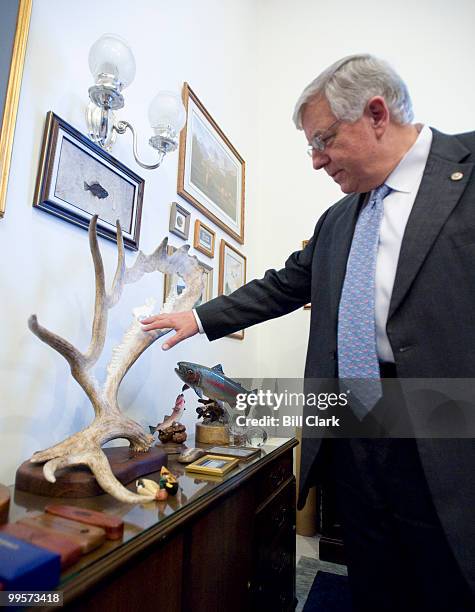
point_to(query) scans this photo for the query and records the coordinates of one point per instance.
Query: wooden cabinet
(220, 546)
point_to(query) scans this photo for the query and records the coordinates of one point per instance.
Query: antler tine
(74, 357)
(119, 278)
(99, 324)
(146, 263)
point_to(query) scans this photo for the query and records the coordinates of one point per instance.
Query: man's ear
(378, 112)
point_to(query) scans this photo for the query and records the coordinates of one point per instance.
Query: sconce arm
(121, 128)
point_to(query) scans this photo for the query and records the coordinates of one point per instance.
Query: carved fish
(96, 189)
(210, 382)
(174, 417)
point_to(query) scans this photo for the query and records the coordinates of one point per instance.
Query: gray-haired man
(390, 274)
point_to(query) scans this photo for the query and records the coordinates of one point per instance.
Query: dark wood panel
(273, 582)
(152, 582)
(219, 555)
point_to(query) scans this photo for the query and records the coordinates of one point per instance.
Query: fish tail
(86, 186)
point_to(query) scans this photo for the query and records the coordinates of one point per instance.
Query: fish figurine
(175, 416)
(96, 189)
(211, 382)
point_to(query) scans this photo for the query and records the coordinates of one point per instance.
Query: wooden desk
(218, 546)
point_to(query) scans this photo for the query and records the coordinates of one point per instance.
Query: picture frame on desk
(77, 180)
(211, 173)
(212, 465)
(243, 453)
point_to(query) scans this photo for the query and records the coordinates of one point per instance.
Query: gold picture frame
(307, 306)
(232, 274)
(9, 111)
(199, 243)
(211, 173)
(212, 465)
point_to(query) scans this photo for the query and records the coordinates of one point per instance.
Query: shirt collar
(407, 175)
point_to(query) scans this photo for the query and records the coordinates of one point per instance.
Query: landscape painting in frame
(232, 274)
(77, 180)
(211, 173)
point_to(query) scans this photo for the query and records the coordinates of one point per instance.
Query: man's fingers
(156, 322)
(172, 341)
(183, 323)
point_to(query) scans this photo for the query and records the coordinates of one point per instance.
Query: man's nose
(319, 159)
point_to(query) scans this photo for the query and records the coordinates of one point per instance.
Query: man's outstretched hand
(184, 323)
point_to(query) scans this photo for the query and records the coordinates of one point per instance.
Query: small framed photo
(307, 306)
(77, 180)
(179, 221)
(204, 239)
(174, 283)
(212, 465)
(232, 274)
(243, 453)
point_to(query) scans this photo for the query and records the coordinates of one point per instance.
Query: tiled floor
(307, 547)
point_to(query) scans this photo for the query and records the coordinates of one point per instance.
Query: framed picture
(214, 465)
(243, 453)
(77, 179)
(14, 26)
(204, 239)
(211, 173)
(179, 221)
(232, 274)
(173, 282)
(307, 306)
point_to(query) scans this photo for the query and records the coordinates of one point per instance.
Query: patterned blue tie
(357, 356)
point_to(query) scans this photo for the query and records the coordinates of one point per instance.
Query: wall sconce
(112, 65)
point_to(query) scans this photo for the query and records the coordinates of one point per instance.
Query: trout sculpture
(84, 447)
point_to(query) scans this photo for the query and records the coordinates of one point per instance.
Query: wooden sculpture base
(4, 503)
(212, 434)
(79, 481)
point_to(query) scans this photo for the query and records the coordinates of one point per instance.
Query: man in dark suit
(391, 277)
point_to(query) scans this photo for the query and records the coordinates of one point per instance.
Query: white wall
(429, 42)
(47, 267)
(248, 61)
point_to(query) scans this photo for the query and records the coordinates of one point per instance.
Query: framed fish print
(211, 173)
(14, 26)
(232, 274)
(77, 179)
(204, 239)
(173, 282)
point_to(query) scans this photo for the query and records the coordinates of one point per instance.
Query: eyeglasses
(319, 142)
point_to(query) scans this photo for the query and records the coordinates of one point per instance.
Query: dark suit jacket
(431, 322)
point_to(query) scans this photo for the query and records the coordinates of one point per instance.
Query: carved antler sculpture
(84, 447)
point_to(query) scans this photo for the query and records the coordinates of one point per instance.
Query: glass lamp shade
(166, 111)
(111, 55)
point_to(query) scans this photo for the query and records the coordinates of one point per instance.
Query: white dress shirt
(404, 181)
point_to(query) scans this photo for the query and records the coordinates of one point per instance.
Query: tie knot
(381, 192)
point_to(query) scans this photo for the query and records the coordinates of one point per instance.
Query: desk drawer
(273, 476)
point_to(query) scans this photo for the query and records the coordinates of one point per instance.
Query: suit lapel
(437, 197)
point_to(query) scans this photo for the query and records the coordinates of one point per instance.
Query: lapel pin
(456, 176)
